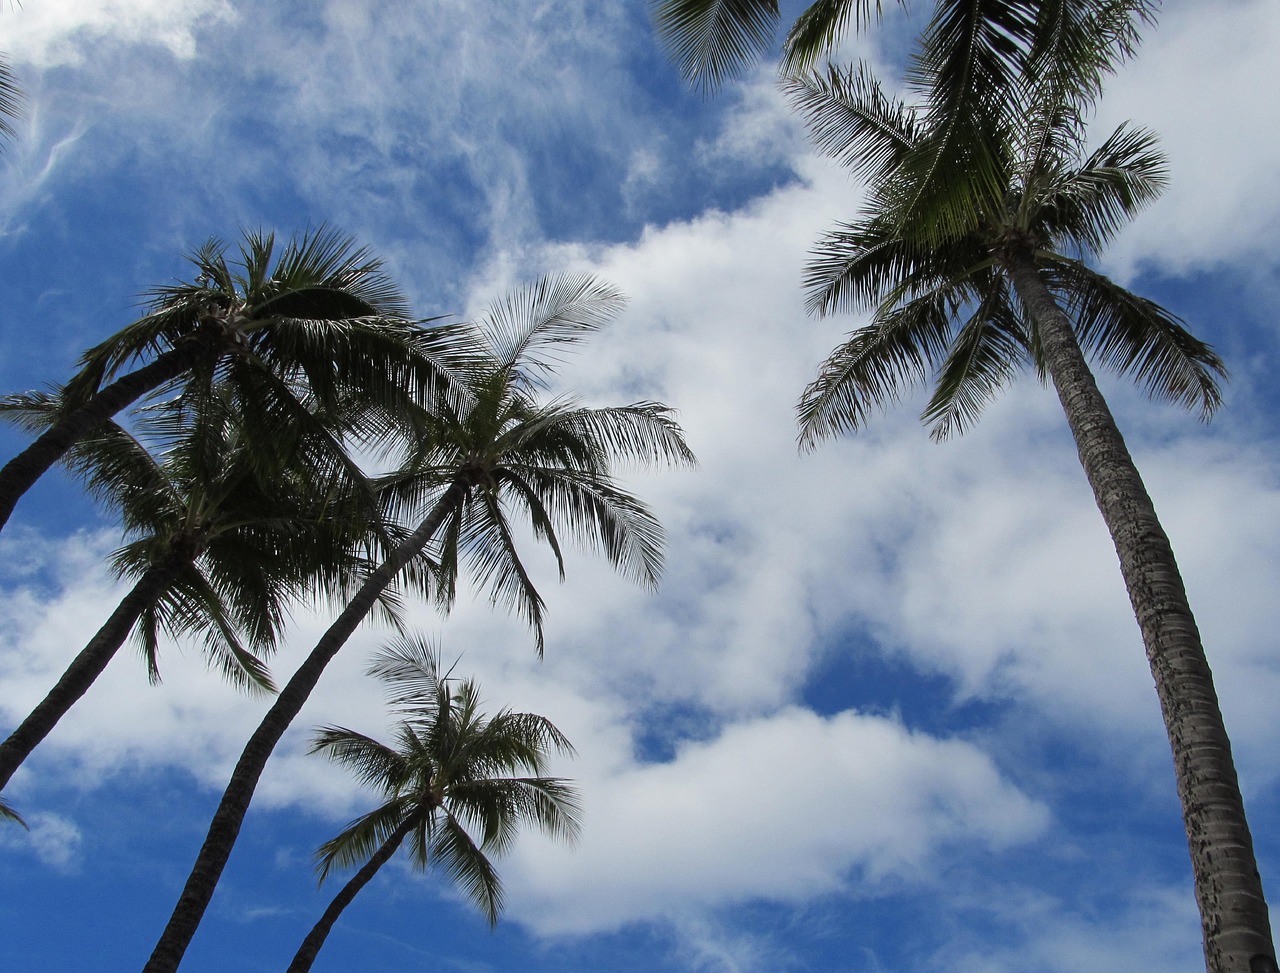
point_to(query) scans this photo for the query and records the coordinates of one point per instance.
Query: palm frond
(1092, 202)
(850, 119)
(984, 355)
(1133, 336)
(818, 30)
(713, 40)
(11, 100)
(529, 331)
(875, 367)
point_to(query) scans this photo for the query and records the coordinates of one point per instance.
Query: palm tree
(452, 769)
(496, 448)
(320, 319)
(222, 540)
(999, 282)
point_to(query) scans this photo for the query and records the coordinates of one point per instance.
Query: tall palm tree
(223, 539)
(452, 770)
(494, 449)
(1000, 282)
(318, 319)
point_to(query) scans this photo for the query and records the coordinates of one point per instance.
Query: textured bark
(310, 947)
(84, 669)
(21, 472)
(1233, 912)
(225, 826)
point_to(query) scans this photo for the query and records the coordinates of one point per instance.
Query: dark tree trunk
(1233, 912)
(225, 826)
(21, 472)
(85, 668)
(310, 947)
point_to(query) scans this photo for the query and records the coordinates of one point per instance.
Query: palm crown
(457, 786)
(290, 333)
(499, 448)
(943, 306)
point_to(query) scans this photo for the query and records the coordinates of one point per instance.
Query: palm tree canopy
(465, 782)
(249, 534)
(942, 309)
(552, 461)
(318, 313)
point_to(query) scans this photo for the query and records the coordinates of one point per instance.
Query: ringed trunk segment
(227, 819)
(310, 947)
(1233, 911)
(21, 472)
(84, 669)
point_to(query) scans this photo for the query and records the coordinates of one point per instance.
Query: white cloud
(46, 33)
(780, 808)
(53, 839)
(1204, 81)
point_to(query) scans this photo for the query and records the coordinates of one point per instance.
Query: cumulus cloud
(780, 808)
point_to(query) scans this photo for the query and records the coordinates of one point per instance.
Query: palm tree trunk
(21, 472)
(310, 947)
(225, 826)
(1233, 911)
(85, 668)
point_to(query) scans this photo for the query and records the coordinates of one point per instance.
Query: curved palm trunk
(225, 826)
(21, 472)
(310, 947)
(1233, 912)
(84, 669)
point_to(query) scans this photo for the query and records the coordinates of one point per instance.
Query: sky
(888, 711)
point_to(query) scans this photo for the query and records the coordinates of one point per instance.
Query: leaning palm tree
(317, 318)
(492, 449)
(451, 771)
(999, 283)
(222, 539)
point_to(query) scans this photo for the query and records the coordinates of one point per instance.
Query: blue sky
(889, 711)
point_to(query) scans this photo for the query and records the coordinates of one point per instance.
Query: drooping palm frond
(852, 120)
(1133, 336)
(819, 29)
(712, 40)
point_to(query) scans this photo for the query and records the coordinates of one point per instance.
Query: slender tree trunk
(85, 668)
(310, 947)
(21, 472)
(1233, 912)
(225, 826)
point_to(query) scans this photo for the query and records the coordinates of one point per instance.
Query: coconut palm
(318, 319)
(220, 544)
(451, 771)
(494, 449)
(966, 304)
